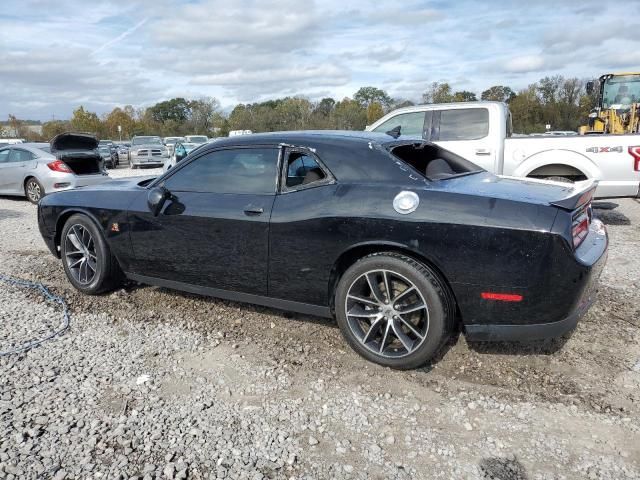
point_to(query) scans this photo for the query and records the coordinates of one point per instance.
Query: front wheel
(86, 257)
(394, 310)
(33, 190)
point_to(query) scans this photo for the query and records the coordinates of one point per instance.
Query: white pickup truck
(482, 132)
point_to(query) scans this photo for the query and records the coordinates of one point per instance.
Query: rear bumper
(592, 256)
(57, 182)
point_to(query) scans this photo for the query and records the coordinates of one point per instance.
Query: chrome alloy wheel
(34, 192)
(80, 253)
(387, 313)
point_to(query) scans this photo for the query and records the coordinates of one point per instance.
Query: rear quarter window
(463, 124)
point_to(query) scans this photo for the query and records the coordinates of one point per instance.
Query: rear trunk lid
(78, 151)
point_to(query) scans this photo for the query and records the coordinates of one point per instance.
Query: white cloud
(525, 63)
(113, 52)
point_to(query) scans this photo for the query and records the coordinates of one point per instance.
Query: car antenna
(395, 132)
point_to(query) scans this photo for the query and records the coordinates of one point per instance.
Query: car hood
(528, 190)
(73, 141)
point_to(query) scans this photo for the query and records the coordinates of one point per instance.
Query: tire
(33, 190)
(559, 179)
(431, 325)
(105, 274)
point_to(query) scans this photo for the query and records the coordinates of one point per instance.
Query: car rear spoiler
(581, 194)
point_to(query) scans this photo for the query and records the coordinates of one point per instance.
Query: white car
(34, 169)
(482, 133)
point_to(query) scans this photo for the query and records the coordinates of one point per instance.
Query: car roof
(306, 136)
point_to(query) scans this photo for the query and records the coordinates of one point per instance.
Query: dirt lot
(150, 383)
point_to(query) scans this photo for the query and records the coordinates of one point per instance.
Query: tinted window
(464, 124)
(410, 124)
(19, 155)
(246, 170)
(303, 169)
(4, 155)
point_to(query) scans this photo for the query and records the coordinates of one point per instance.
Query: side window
(4, 155)
(303, 169)
(241, 170)
(19, 155)
(410, 124)
(464, 124)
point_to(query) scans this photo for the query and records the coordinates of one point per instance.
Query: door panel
(302, 247)
(214, 230)
(13, 170)
(204, 239)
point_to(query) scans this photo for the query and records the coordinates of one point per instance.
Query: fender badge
(115, 227)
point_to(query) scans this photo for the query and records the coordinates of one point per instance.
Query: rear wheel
(86, 257)
(394, 310)
(33, 190)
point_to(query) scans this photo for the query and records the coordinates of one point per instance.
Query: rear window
(464, 124)
(433, 162)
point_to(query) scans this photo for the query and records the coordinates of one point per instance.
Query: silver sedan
(30, 170)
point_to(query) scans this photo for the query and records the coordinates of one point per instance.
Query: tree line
(560, 102)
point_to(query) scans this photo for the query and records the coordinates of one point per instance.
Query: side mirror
(180, 155)
(156, 198)
(589, 87)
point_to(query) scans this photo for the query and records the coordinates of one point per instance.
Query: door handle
(252, 210)
(482, 151)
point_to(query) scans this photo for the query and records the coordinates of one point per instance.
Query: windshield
(146, 141)
(172, 139)
(197, 139)
(621, 91)
(104, 149)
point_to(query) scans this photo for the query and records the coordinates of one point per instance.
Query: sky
(55, 56)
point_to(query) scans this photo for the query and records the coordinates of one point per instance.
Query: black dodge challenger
(402, 241)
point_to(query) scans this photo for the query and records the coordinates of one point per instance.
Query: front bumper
(592, 256)
(148, 161)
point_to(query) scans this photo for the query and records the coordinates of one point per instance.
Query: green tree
(349, 115)
(374, 112)
(365, 96)
(55, 127)
(464, 96)
(438, 93)
(498, 93)
(177, 109)
(85, 121)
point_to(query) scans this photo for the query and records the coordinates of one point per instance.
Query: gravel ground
(150, 383)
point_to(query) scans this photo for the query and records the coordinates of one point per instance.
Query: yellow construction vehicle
(618, 108)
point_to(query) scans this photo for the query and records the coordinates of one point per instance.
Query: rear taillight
(635, 153)
(59, 166)
(580, 225)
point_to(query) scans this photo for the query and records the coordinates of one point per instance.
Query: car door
(465, 131)
(14, 169)
(213, 232)
(4, 169)
(302, 227)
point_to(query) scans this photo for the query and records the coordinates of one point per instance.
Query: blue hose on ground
(49, 297)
